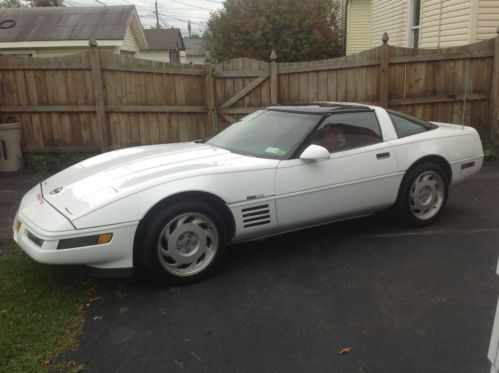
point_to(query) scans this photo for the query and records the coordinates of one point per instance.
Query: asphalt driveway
(404, 300)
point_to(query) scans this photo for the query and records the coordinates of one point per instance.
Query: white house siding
(50, 52)
(487, 19)
(197, 60)
(130, 42)
(456, 23)
(431, 18)
(389, 16)
(358, 26)
(162, 56)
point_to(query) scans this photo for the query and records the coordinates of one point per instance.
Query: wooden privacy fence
(99, 100)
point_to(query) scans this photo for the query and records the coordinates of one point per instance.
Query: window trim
(307, 140)
(411, 27)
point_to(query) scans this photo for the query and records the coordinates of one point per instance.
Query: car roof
(322, 107)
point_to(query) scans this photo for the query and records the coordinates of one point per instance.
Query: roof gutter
(57, 44)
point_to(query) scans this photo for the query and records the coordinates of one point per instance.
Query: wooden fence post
(210, 95)
(384, 77)
(100, 108)
(274, 98)
(494, 95)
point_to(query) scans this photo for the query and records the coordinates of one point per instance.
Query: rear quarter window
(405, 125)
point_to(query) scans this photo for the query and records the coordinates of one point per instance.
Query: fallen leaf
(98, 318)
(93, 299)
(46, 362)
(71, 364)
(345, 350)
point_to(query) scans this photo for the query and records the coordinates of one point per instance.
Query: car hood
(112, 175)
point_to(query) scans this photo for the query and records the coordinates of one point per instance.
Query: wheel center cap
(187, 242)
(425, 195)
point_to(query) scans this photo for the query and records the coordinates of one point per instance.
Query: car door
(359, 178)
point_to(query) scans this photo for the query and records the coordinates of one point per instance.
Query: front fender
(231, 187)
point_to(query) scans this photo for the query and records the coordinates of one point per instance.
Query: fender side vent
(256, 215)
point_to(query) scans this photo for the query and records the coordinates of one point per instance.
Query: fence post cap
(273, 55)
(92, 42)
(385, 38)
(207, 56)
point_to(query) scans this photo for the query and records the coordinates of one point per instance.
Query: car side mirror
(314, 153)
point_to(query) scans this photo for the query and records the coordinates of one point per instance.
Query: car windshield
(266, 134)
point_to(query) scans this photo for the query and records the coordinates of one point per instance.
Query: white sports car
(171, 209)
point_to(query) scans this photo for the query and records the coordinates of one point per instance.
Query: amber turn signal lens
(104, 238)
(18, 225)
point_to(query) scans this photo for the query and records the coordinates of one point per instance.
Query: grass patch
(47, 162)
(489, 151)
(39, 312)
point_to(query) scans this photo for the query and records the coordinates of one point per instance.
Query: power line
(194, 6)
(182, 20)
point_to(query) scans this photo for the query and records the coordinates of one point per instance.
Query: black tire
(177, 222)
(415, 213)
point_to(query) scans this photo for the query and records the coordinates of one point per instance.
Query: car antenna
(464, 100)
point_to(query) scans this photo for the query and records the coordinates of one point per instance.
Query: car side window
(406, 125)
(344, 131)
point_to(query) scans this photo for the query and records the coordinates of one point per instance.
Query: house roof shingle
(66, 23)
(194, 47)
(169, 38)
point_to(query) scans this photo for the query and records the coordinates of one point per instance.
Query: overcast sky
(174, 13)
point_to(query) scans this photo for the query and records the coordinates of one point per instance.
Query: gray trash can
(11, 156)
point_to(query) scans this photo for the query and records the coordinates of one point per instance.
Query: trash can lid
(10, 126)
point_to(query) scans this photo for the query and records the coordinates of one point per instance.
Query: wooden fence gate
(99, 100)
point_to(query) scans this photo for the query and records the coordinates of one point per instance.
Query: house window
(414, 23)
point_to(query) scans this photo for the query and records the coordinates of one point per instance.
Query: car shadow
(282, 251)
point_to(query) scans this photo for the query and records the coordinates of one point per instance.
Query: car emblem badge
(56, 190)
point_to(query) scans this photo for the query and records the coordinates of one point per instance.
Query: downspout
(440, 23)
(345, 16)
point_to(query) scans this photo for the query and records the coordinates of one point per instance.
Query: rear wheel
(183, 243)
(423, 194)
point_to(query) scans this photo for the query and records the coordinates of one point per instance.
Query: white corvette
(171, 209)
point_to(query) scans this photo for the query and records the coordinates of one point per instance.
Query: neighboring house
(58, 31)
(164, 45)
(194, 51)
(419, 23)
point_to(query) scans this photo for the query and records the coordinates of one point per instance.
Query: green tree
(47, 3)
(10, 4)
(298, 30)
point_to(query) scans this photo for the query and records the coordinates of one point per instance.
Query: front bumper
(41, 245)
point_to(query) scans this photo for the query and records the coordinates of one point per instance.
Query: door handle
(383, 155)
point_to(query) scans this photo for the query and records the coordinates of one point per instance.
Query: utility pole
(157, 16)
(189, 28)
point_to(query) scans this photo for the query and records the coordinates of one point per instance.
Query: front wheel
(183, 243)
(423, 194)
